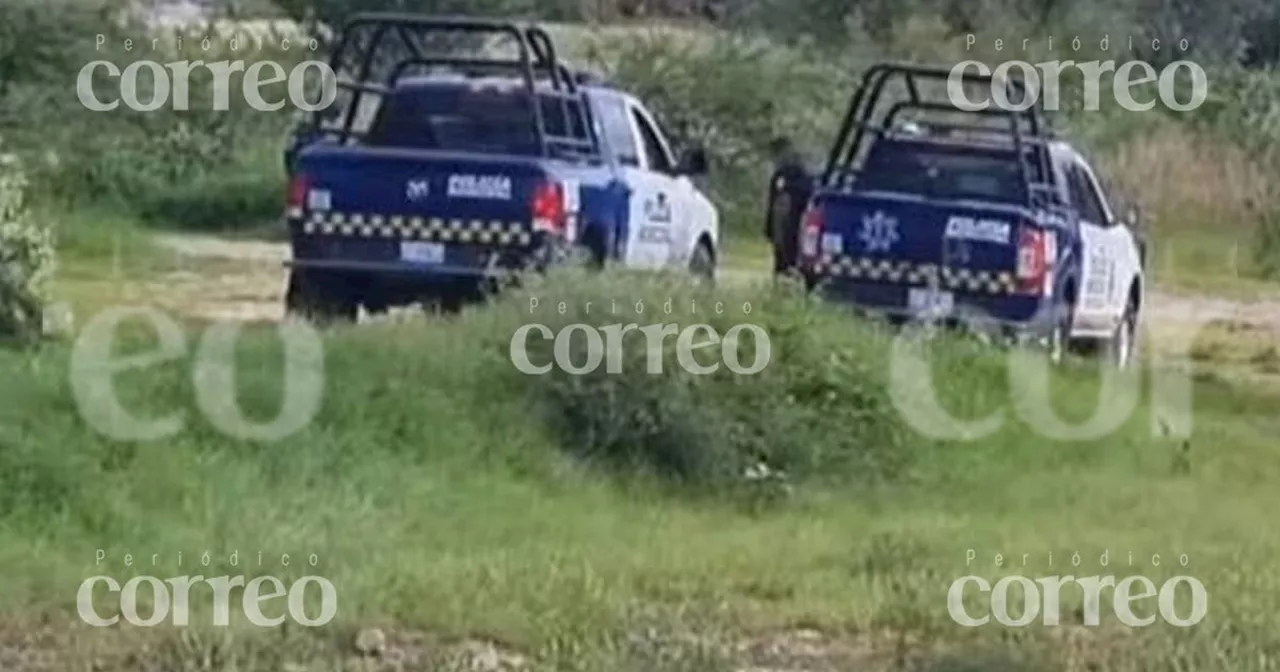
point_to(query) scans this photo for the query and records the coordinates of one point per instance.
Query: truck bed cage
(536, 65)
(1026, 132)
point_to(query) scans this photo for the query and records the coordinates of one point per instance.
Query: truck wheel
(702, 264)
(444, 303)
(1121, 349)
(592, 251)
(320, 298)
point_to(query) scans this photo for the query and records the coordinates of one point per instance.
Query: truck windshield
(946, 173)
(466, 118)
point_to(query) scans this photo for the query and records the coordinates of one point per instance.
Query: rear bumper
(1010, 314)
(405, 270)
(461, 261)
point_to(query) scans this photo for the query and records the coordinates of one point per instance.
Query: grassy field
(448, 499)
(482, 519)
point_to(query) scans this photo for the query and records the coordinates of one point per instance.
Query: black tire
(592, 251)
(445, 304)
(1122, 348)
(702, 263)
(319, 297)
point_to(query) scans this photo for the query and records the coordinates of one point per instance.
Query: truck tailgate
(422, 209)
(888, 243)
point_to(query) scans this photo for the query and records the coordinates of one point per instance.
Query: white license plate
(930, 302)
(422, 253)
(319, 199)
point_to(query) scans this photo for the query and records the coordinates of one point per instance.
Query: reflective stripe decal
(418, 228)
(962, 279)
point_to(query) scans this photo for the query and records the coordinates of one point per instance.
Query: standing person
(789, 189)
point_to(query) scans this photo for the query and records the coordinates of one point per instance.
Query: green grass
(744, 253)
(437, 494)
(99, 250)
(1198, 258)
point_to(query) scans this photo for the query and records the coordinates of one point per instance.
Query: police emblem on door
(658, 209)
(879, 232)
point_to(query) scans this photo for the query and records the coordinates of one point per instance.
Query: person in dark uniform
(789, 187)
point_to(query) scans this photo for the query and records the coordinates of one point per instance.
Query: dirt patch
(210, 279)
(49, 645)
(230, 279)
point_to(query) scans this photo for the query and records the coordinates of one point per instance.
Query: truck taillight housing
(549, 213)
(1036, 251)
(811, 231)
(296, 195)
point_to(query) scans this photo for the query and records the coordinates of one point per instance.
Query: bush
(165, 164)
(818, 409)
(26, 259)
(335, 12)
(222, 200)
(1266, 251)
(731, 94)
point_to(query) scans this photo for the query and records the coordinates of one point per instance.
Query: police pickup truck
(431, 186)
(989, 223)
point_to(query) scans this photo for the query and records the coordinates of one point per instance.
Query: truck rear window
(942, 173)
(469, 119)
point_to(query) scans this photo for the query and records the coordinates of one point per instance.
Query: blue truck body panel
(369, 209)
(875, 268)
(451, 164)
(928, 209)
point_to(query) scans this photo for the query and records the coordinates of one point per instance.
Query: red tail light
(549, 208)
(296, 195)
(811, 231)
(1035, 257)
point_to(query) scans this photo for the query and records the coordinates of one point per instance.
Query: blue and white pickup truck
(994, 225)
(433, 186)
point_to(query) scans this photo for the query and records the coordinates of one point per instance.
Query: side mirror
(1133, 217)
(694, 163)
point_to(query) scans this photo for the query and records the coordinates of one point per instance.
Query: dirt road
(245, 280)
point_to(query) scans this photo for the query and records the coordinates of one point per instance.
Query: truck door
(1097, 276)
(645, 227)
(666, 217)
(1121, 253)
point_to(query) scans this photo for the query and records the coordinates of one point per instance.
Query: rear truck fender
(705, 239)
(1135, 295)
(704, 224)
(1069, 297)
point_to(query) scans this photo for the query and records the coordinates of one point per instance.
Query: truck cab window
(659, 159)
(617, 130)
(1085, 198)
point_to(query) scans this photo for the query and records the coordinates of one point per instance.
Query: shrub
(26, 259)
(335, 12)
(222, 200)
(167, 163)
(819, 408)
(731, 94)
(1266, 249)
